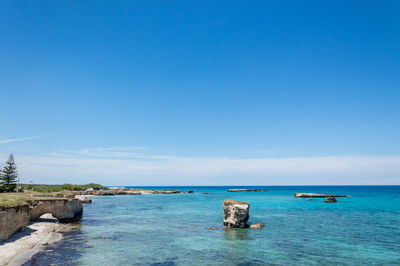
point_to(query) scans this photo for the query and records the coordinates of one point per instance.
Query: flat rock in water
(243, 190)
(314, 195)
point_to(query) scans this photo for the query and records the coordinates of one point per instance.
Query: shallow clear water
(172, 229)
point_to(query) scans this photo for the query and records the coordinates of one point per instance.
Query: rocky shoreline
(129, 192)
(67, 207)
(21, 246)
(16, 218)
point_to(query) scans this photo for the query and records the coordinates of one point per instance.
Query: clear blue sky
(240, 80)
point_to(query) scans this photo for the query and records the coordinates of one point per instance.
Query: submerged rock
(84, 199)
(236, 213)
(190, 191)
(330, 200)
(257, 226)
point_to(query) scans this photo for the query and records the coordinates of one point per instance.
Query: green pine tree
(9, 175)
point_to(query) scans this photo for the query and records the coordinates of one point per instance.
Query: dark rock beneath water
(236, 213)
(190, 191)
(330, 200)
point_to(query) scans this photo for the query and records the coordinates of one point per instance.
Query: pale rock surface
(83, 198)
(13, 219)
(22, 245)
(236, 213)
(65, 210)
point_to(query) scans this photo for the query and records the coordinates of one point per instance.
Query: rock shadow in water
(233, 234)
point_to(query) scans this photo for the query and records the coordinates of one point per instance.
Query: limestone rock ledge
(65, 210)
(13, 219)
(236, 213)
(314, 195)
(84, 199)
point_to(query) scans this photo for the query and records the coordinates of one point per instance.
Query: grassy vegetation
(59, 188)
(82, 187)
(42, 188)
(13, 199)
(19, 199)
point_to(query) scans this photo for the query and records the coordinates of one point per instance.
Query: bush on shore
(58, 188)
(82, 187)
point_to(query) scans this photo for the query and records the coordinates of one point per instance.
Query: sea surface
(173, 229)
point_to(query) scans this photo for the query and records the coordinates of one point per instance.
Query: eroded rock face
(236, 213)
(13, 219)
(83, 198)
(65, 210)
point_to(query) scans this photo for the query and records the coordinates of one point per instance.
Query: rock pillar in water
(236, 213)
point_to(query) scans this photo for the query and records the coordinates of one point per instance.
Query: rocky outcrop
(313, 195)
(190, 191)
(13, 219)
(65, 210)
(236, 213)
(330, 200)
(84, 199)
(243, 190)
(129, 192)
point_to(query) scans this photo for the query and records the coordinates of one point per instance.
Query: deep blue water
(172, 229)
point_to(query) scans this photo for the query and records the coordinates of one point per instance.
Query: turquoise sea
(173, 229)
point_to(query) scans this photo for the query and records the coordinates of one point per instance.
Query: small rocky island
(236, 213)
(314, 195)
(110, 192)
(243, 190)
(330, 200)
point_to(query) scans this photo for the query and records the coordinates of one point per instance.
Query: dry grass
(13, 199)
(19, 199)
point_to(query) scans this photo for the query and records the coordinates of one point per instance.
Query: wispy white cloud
(160, 169)
(21, 139)
(137, 152)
